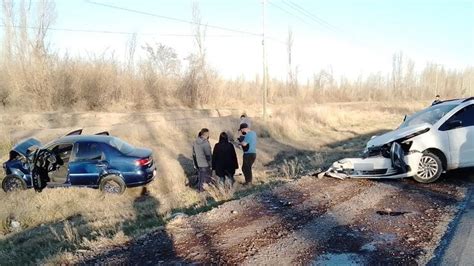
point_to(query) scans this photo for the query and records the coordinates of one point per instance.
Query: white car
(427, 143)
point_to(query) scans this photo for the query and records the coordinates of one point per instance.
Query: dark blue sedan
(97, 161)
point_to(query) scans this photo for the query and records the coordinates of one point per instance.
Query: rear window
(121, 145)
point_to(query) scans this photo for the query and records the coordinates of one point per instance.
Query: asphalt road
(459, 249)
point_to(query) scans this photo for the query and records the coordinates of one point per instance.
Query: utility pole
(264, 57)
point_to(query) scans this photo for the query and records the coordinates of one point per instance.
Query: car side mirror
(454, 124)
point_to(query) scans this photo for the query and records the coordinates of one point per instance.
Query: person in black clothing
(224, 159)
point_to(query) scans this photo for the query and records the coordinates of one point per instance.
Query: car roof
(455, 101)
(82, 138)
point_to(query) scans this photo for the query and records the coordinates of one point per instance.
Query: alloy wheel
(13, 184)
(427, 168)
(112, 187)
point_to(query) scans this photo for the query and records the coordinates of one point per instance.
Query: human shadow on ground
(189, 170)
(159, 245)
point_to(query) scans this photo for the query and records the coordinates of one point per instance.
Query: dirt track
(322, 221)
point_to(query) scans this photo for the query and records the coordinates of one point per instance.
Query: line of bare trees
(34, 76)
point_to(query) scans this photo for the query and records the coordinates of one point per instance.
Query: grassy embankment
(58, 222)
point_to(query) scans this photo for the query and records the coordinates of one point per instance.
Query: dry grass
(294, 139)
(220, 191)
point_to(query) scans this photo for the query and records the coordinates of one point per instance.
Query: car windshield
(121, 145)
(430, 115)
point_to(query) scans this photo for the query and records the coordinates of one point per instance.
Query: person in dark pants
(202, 157)
(224, 159)
(248, 141)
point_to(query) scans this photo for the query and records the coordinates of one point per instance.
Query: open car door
(75, 132)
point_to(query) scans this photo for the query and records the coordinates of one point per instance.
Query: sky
(352, 38)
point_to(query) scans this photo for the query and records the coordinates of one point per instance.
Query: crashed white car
(427, 143)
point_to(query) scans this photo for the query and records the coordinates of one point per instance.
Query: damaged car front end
(392, 155)
(426, 144)
(392, 160)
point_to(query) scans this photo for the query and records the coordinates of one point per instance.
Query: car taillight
(143, 162)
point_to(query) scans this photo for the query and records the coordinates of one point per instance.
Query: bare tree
(164, 59)
(397, 70)
(196, 86)
(45, 17)
(131, 48)
(159, 71)
(8, 20)
(409, 81)
(291, 74)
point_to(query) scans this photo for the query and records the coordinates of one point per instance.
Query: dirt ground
(322, 221)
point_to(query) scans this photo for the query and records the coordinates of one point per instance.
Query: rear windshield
(121, 145)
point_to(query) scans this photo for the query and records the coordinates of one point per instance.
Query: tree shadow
(37, 244)
(292, 217)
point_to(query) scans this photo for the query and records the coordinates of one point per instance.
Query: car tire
(12, 183)
(113, 184)
(430, 168)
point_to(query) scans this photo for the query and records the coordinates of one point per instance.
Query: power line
(325, 24)
(289, 13)
(182, 20)
(171, 18)
(299, 10)
(310, 15)
(116, 32)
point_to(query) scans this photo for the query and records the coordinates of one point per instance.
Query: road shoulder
(459, 247)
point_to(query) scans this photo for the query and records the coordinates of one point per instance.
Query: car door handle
(101, 165)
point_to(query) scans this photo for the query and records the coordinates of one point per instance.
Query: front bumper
(374, 167)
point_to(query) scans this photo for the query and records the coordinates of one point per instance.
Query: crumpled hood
(23, 146)
(396, 134)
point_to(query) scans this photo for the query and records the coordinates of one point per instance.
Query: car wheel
(429, 168)
(13, 183)
(112, 184)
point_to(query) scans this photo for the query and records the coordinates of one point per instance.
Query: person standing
(249, 145)
(202, 157)
(436, 100)
(224, 159)
(244, 119)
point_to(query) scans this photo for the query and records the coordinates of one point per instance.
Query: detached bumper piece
(396, 165)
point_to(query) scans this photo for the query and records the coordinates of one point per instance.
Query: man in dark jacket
(202, 157)
(224, 159)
